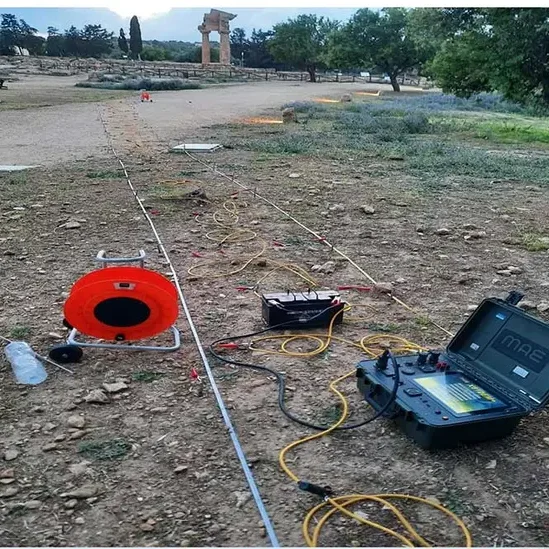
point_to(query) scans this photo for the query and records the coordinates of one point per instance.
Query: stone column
(206, 54)
(224, 48)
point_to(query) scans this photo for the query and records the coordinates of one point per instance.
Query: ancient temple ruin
(217, 21)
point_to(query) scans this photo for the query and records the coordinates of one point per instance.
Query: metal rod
(221, 404)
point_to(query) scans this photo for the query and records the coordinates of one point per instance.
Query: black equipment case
(493, 372)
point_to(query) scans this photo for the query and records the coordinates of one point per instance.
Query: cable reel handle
(102, 258)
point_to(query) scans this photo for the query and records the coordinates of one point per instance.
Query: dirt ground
(153, 465)
(65, 129)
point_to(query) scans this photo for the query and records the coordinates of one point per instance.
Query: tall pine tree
(136, 44)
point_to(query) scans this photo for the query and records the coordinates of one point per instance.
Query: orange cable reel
(122, 304)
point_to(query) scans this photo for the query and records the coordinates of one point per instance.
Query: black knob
(421, 359)
(383, 361)
(433, 357)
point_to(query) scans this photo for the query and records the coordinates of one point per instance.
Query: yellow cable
(371, 345)
(368, 344)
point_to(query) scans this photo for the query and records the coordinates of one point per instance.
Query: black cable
(282, 382)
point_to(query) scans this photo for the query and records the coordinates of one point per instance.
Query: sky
(175, 24)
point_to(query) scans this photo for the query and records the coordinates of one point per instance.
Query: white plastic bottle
(27, 368)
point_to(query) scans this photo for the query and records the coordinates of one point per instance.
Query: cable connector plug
(383, 360)
(322, 491)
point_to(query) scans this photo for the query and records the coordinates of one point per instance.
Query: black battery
(307, 309)
(494, 372)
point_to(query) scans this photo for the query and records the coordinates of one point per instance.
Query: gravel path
(48, 135)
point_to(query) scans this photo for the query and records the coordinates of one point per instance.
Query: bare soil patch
(170, 476)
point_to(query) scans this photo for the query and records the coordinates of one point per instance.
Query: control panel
(435, 391)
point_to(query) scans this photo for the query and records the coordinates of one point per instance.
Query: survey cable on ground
(221, 404)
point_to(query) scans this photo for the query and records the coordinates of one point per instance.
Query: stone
(471, 308)
(526, 305)
(78, 434)
(77, 422)
(477, 234)
(514, 270)
(328, 267)
(33, 504)
(337, 208)
(97, 396)
(367, 209)
(504, 272)
(72, 225)
(83, 492)
(180, 469)
(71, 504)
(49, 447)
(9, 492)
(400, 280)
(55, 335)
(242, 498)
(492, 464)
(115, 387)
(288, 115)
(10, 455)
(148, 526)
(159, 410)
(294, 176)
(384, 287)
(443, 231)
(7, 473)
(78, 469)
(543, 307)
(346, 98)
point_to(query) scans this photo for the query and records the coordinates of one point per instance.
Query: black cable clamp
(324, 492)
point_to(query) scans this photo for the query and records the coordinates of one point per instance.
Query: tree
(73, 42)
(378, 41)
(301, 42)
(123, 42)
(239, 44)
(136, 44)
(91, 41)
(259, 55)
(10, 34)
(18, 35)
(487, 49)
(55, 43)
(96, 41)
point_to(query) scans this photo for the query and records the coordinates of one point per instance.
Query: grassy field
(435, 138)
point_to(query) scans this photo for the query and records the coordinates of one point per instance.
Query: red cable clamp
(232, 346)
(321, 238)
(196, 254)
(194, 374)
(279, 244)
(244, 288)
(155, 212)
(359, 288)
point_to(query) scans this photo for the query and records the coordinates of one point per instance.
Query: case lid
(502, 343)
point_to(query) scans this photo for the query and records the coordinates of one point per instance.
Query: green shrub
(149, 84)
